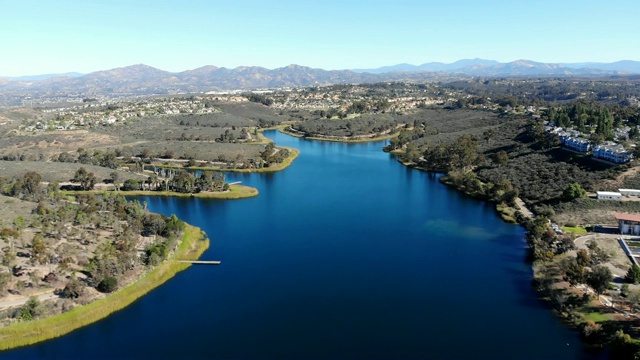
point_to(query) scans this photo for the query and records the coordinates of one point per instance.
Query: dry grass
(60, 172)
(194, 243)
(11, 208)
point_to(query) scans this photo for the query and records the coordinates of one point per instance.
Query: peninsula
(507, 142)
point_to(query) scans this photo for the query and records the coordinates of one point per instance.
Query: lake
(345, 254)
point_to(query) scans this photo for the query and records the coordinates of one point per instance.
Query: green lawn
(576, 230)
(596, 316)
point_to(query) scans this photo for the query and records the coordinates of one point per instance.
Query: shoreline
(293, 154)
(514, 215)
(235, 192)
(283, 130)
(193, 245)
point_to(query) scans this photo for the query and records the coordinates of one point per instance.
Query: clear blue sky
(39, 37)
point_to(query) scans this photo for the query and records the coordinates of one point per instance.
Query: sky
(50, 37)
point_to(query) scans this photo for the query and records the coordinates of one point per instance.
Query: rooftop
(627, 217)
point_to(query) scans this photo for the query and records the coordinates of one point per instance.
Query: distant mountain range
(44, 76)
(482, 67)
(146, 80)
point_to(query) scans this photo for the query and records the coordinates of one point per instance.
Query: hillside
(140, 79)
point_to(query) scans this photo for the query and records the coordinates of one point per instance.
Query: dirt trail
(19, 300)
(524, 209)
(617, 182)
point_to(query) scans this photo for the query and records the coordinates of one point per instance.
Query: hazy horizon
(73, 36)
(76, 73)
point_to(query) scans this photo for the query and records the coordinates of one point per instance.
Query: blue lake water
(345, 254)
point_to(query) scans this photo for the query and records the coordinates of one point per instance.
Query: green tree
(583, 258)
(596, 139)
(501, 157)
(109, 160)
(599, 278)
(86, 179)
(114, 179)
(625, 290)
(38, 250)
(634, 298)
(31, 182)
(73, 289)
(487, 135)
(633, 275)
(53, 190)
(130, 185)
(598, 255)
(30, 310)
(182, 181)
(18, 222)
(108, 284)
(411, 154)
(574, 273)
(573, 191)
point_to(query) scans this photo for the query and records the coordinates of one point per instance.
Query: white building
(629, 192)
(612, 152)
(577, 144)
(628, 224)
(609, 195)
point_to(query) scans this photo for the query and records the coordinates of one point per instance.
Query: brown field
(60, 172)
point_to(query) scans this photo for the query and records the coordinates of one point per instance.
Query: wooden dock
(201, 262)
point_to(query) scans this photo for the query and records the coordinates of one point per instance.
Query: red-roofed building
(628, 224)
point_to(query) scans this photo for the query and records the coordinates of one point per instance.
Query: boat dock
(201, 262)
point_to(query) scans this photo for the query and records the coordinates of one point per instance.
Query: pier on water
(201, 262)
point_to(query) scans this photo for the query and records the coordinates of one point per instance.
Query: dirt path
(617, 182)
(11, 301)
(524, 209)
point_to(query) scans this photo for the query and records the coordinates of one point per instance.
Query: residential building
(577, 144)
(612, 152)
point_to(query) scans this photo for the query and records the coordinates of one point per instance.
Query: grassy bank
(507, 213)
(235, 192)
(194, 243)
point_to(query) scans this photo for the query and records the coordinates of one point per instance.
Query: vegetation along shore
(540, 149)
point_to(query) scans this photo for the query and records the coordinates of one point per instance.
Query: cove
(345, 254)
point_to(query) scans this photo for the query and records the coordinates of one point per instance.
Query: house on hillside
(577, 144)
(628, 224)
(615, 153)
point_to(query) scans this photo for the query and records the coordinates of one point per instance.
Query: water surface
(345, 254)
